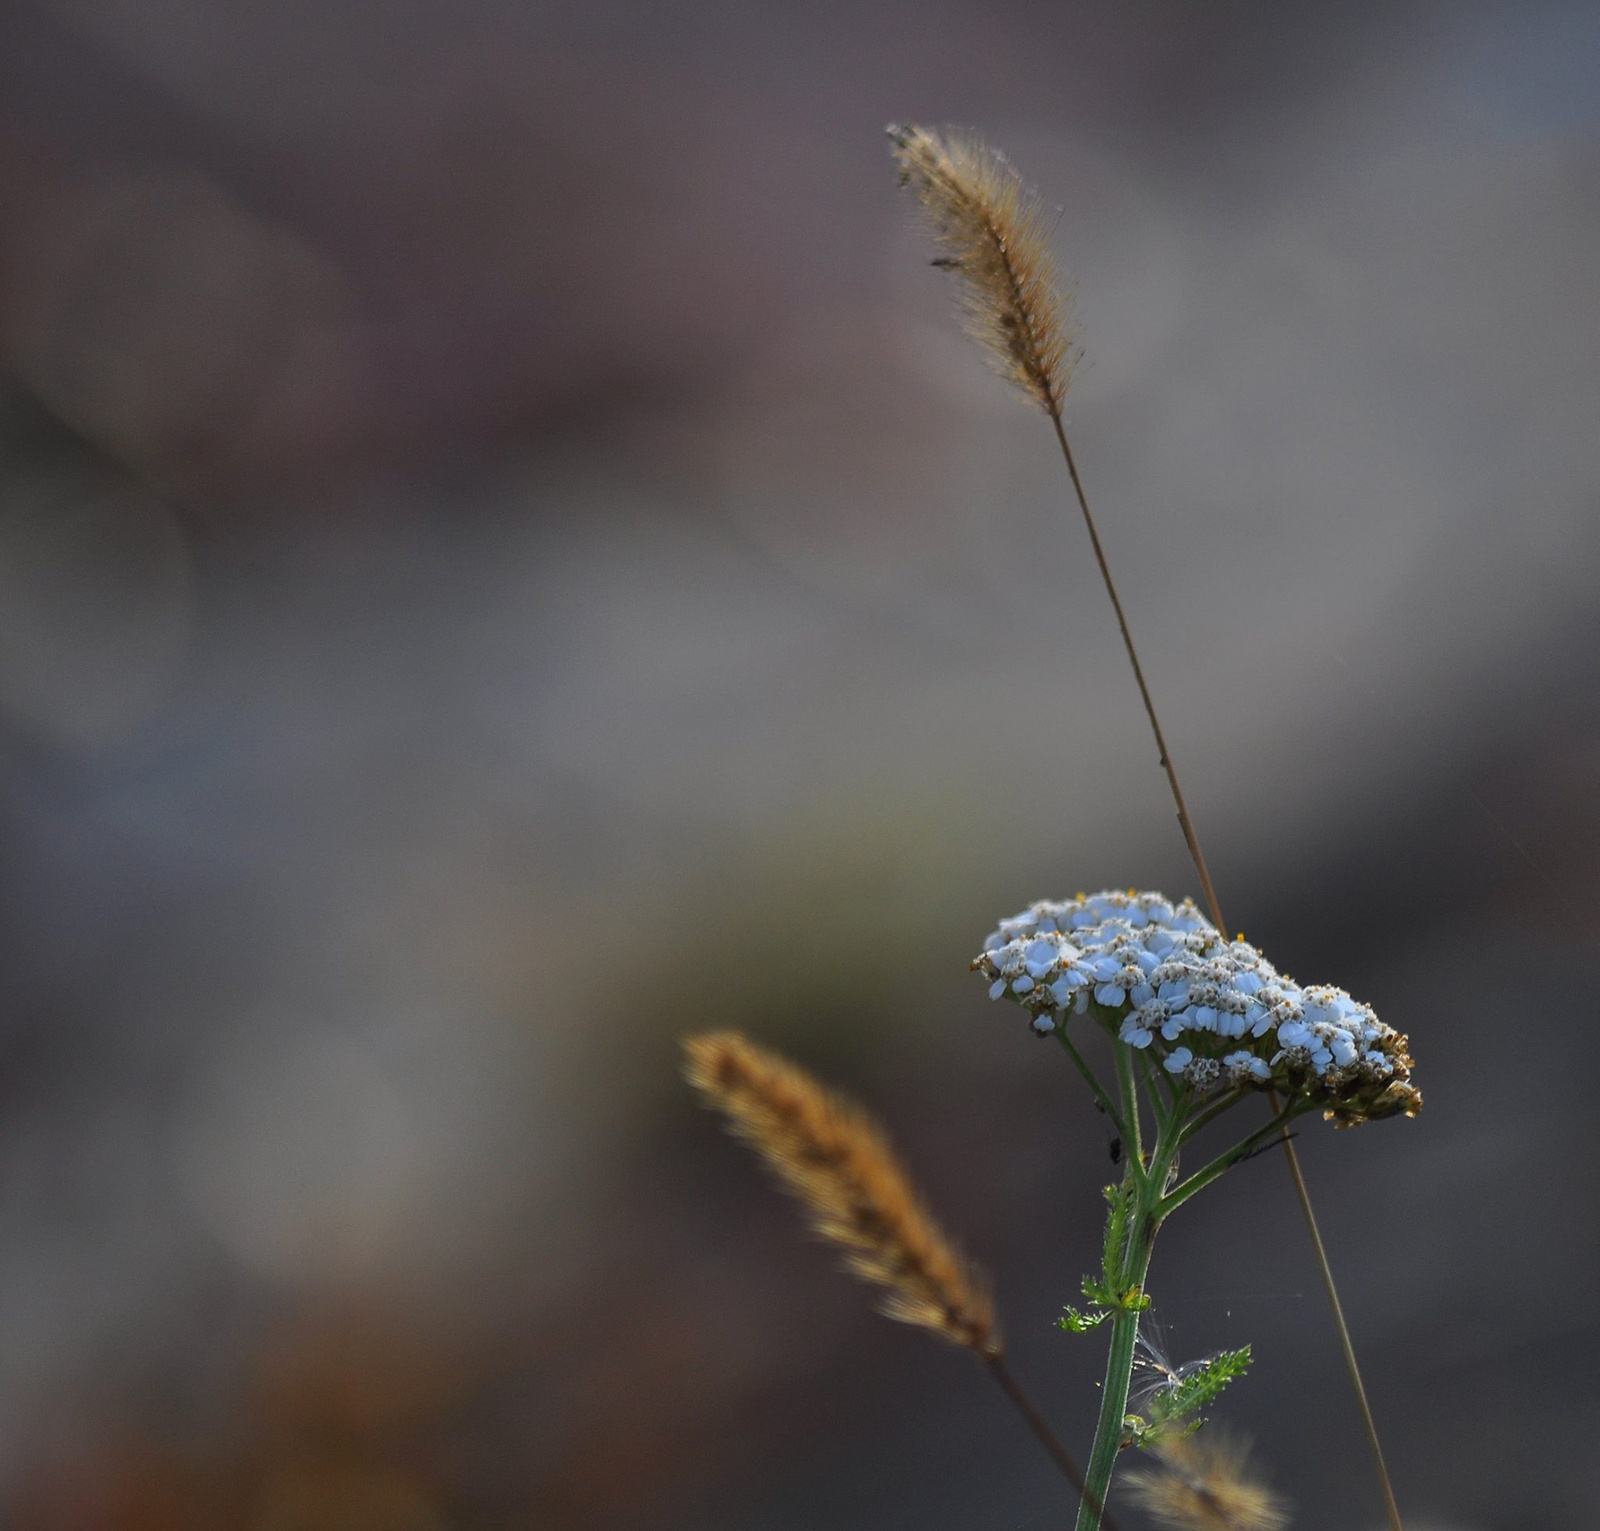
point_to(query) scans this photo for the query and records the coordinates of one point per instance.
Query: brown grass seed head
(1204, 1483)
(837, 1163)
(993, 234)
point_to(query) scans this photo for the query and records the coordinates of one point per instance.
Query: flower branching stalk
(1196, 1023)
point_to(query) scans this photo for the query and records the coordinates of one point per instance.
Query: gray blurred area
(505, 559)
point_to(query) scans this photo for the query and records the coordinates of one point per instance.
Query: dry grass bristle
(837, 1162)
(993, 233)
(1204, 1483)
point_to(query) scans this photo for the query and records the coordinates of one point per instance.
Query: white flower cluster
(1215, 1011)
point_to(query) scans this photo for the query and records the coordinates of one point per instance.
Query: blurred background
(505, 559)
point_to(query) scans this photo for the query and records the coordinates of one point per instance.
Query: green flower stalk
(1196, 1023)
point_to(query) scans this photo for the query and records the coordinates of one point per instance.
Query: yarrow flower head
(1215, 1012)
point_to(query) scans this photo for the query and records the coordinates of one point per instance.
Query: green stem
(1113, 1409)
(1225, 1161)
(1157, 1081)
(1107, 1105)
(1135, 1265)
(1212, 1112)
(1134, 1145)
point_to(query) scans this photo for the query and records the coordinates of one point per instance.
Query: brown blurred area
(505, 559)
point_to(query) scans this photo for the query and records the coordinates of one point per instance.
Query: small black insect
(1116, 1150)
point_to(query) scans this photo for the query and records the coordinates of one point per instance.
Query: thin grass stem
(1345, 1344)
(1047, 1438)
(1185, 822)
(1214, 906)
(989, 228)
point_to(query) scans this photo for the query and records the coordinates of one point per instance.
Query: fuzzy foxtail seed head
(837, 1163)
(1204, 1483)
(993, 234)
